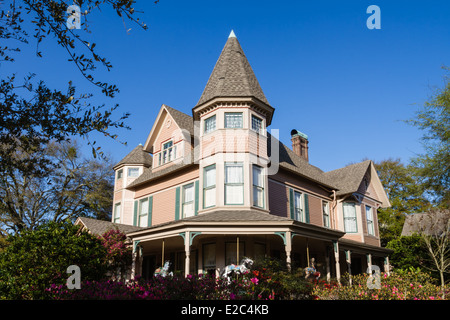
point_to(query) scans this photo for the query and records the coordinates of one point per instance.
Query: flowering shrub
(259, 284)
(119, 254)
(406, 285)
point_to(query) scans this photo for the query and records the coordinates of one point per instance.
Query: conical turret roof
(232, 75)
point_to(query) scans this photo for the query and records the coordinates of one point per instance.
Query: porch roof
(359, 247)
(230, 221)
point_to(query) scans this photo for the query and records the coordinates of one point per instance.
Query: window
(209, 186)
(119, 174)
(210, 124)
(326, 214)
(369, 217)
(231, 252)
(209, 258)
(188, 200)
(117, 207)
(258, 187)
(234, 183)
(257, 124)
(143, 213)
(133, 172)
(233, 120)
(168, 153)
(349, 217)
(298, 206)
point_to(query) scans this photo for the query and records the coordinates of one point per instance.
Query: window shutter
(291, 203)
(136, 205)
(306, 208)
(177, 203)
(150, 207)
(196, 197)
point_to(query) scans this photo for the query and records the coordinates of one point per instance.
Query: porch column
(336, 259)
(288, 248)
(348, 259)
(135, 259)
(187, 251)
(369, 263)
(387, 267)
(327, 262)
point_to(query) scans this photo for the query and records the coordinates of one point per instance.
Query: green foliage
(432, 169)
(34, 260)
(409, 252)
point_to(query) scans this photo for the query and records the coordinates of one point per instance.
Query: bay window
(210, 124)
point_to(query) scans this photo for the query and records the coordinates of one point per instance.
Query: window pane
(257, 176)
(369, 217)
(117, 213)
(188, 193)
(209, 197)
(326, 214)
(258, 196)
(233, 120)
(234, 194)
(119, 174)
(188, 209)
(298, 207)
(349, 217)
(167, 145)
(210, 124)
(209, 256)
(210, 176)
(234, 173)
(133, 172)
(256, 124)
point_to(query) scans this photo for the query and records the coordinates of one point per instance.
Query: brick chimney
(300, 143)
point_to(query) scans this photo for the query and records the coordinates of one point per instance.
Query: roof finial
(232, 35)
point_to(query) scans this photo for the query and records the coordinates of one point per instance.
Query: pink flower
(254, 280)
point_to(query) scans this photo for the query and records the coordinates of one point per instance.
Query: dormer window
(233, 120)
(210, 124)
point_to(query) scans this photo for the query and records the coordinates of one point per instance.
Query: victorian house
(207, 189)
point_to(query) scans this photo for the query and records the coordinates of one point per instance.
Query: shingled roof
(232, 75)
(289, 160)
(136, 156)
(183, 120)
(99, 227)
(349, 178)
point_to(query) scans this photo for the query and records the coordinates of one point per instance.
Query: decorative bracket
(282, 235)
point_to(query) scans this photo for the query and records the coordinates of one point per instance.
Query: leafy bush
(404, 285)
(35, 259)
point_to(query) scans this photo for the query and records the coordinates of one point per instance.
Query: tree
(34, 260)
(404, 193)
(432, 169)
(32, 114)
(434, 230)
(76, 187)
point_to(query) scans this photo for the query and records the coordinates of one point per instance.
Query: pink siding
(163, 207)
(278, 199)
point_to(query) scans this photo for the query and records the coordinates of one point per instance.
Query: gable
(372, 187)
(167, 127)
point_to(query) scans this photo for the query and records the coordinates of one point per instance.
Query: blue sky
(325, 73)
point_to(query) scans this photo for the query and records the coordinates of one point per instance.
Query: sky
(348, 87)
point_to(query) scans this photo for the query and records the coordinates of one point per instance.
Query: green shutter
(177, 204)
(196, 197)
(136, 205)
(291, 203)
(306, 208)
(150, 207)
